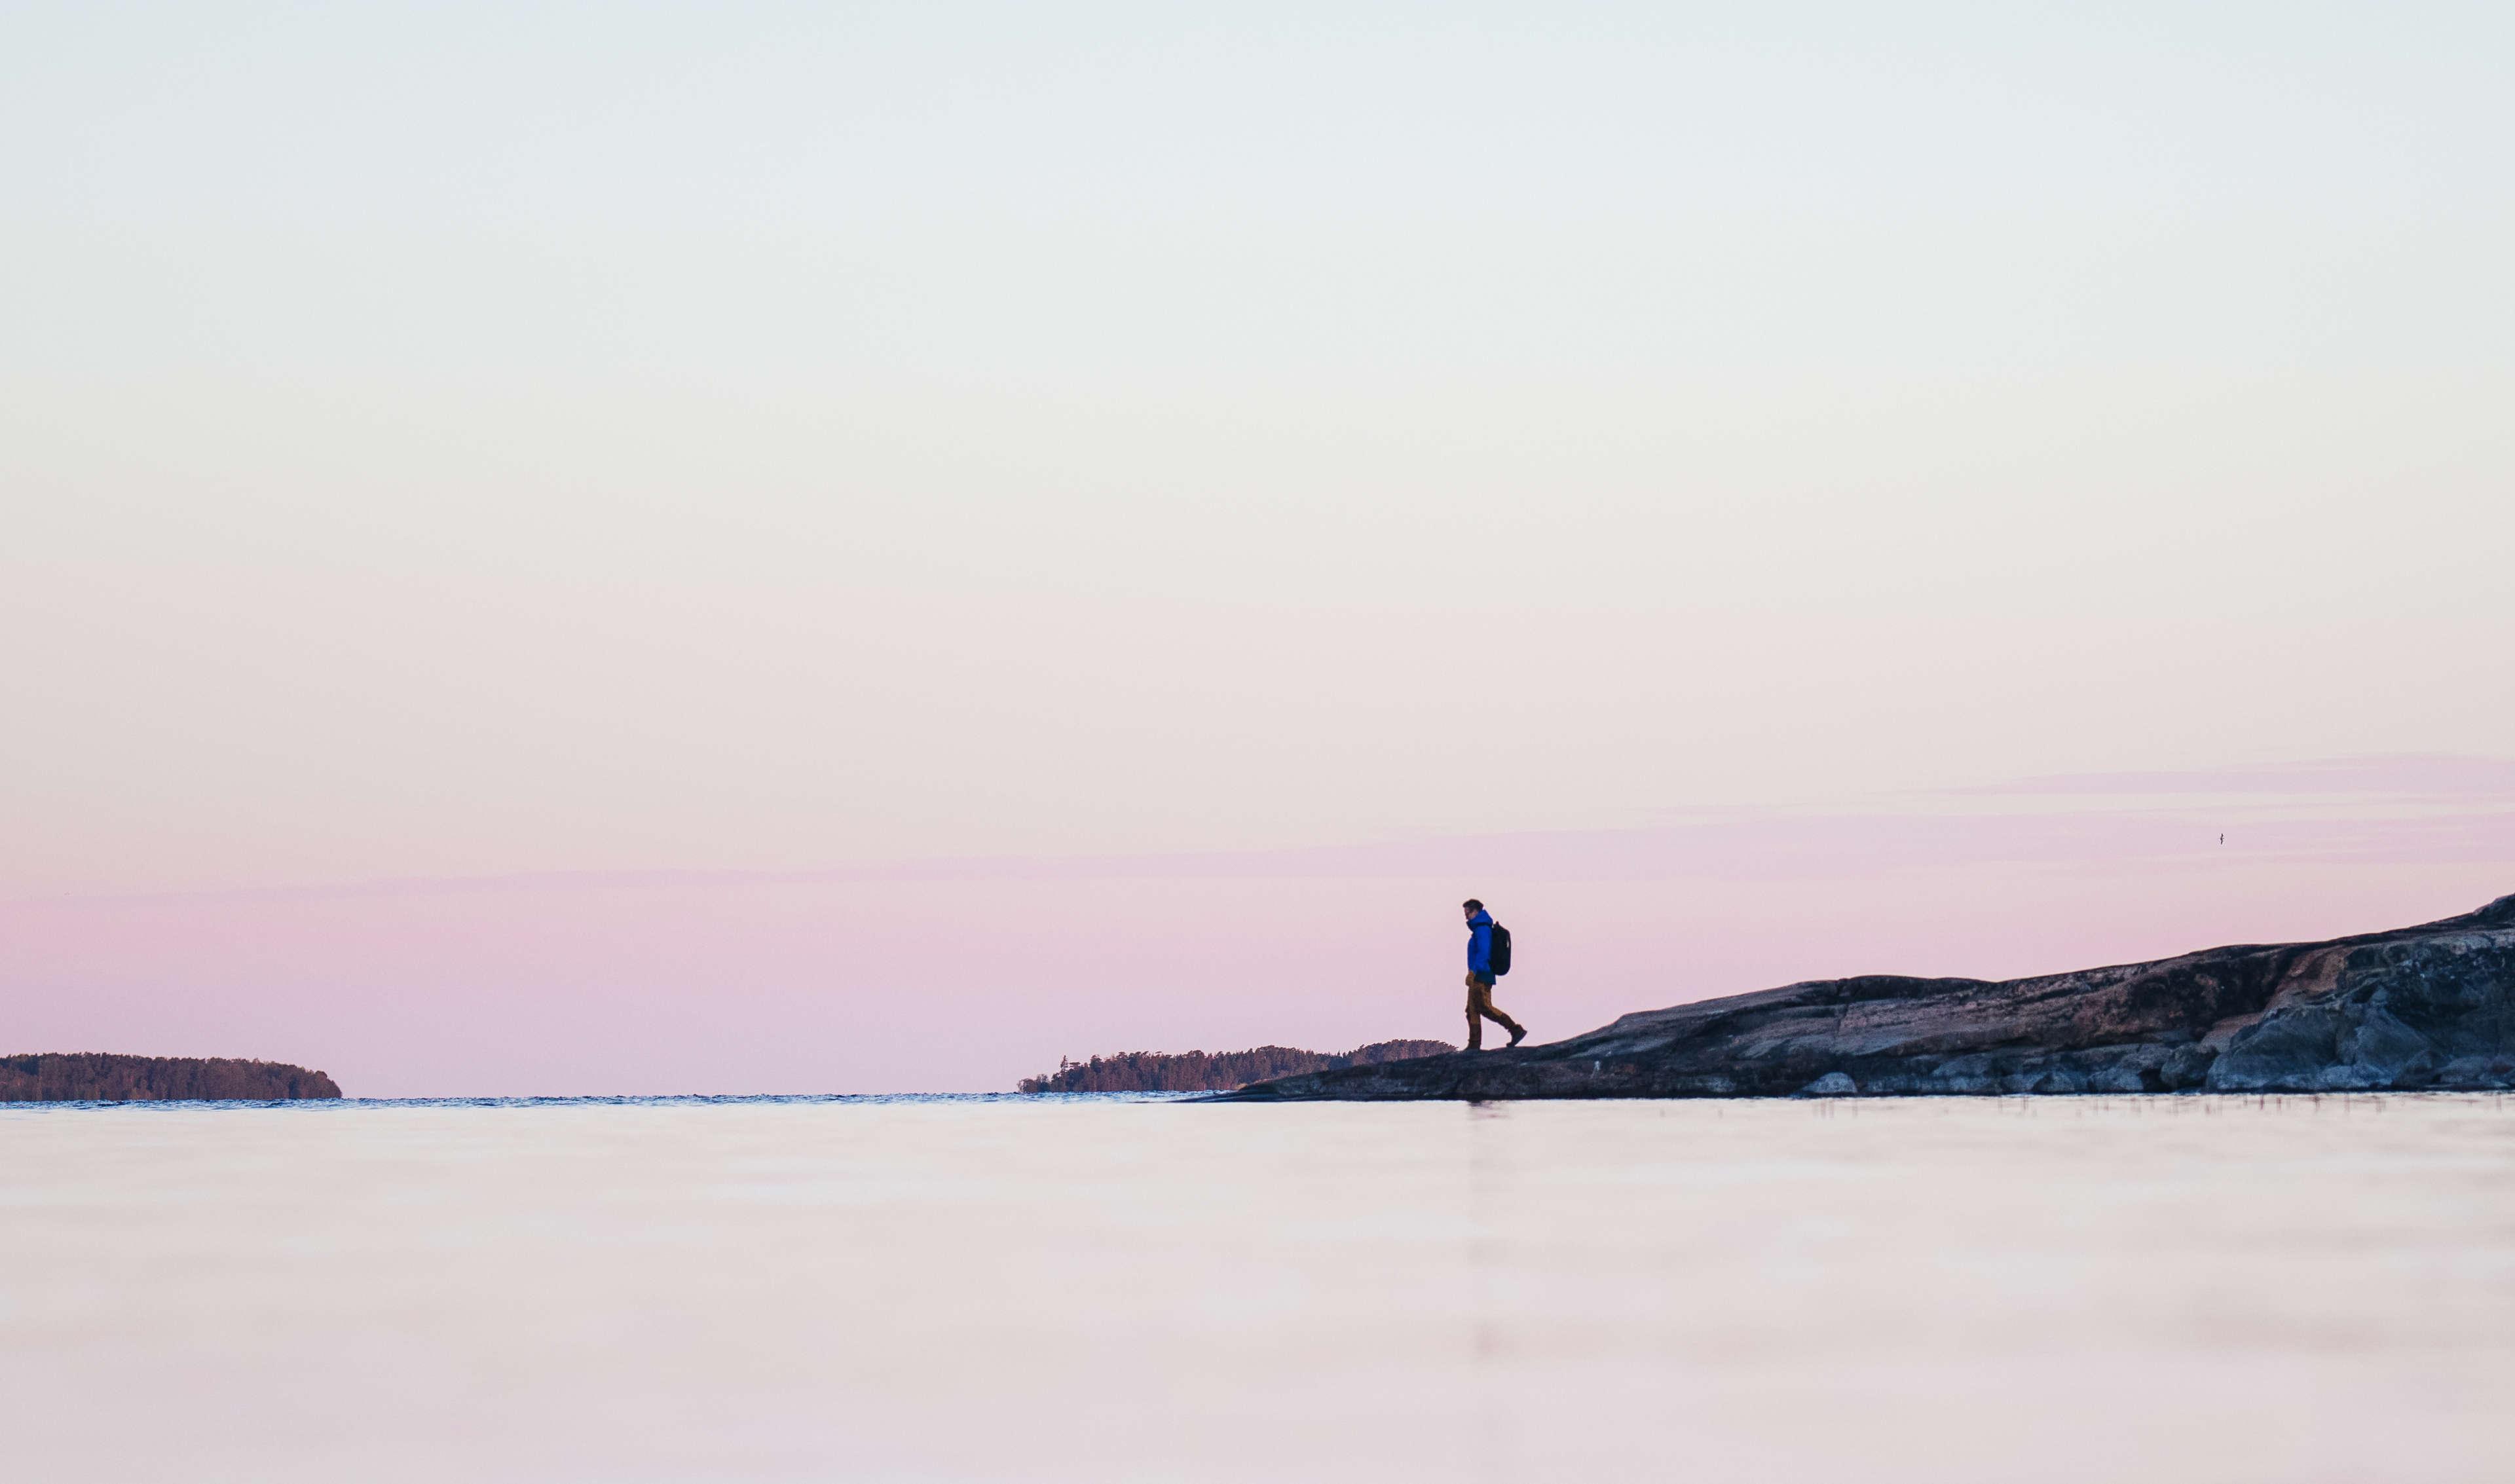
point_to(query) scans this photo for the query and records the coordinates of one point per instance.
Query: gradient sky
(567, 548)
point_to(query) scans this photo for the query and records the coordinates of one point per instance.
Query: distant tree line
(96, 1077)
(1221, 1072)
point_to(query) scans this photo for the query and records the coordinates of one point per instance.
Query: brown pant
(1481, 1008)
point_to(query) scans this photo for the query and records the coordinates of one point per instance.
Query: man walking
(1480, 980)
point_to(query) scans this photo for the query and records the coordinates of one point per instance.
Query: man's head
(1472, 906)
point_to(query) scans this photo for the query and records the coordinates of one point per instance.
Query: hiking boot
(1518, 1034)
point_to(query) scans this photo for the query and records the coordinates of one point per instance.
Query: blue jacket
(1480, 943)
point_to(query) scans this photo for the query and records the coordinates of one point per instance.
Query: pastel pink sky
(963, 976)
(769, 548)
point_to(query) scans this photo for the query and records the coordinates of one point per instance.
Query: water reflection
(2275, 1288)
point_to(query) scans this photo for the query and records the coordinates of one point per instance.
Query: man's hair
(1472, 905)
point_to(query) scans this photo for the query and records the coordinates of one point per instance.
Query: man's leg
(1481, 1008)
(1480, 1003)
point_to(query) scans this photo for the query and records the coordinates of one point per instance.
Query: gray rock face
(2431, 1007)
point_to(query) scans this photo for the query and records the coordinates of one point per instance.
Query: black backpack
(1500, 959)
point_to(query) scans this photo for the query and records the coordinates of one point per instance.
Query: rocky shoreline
(2425, 1007)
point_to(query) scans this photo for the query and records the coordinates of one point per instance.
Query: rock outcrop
(94, 1077)
(2419, 1007)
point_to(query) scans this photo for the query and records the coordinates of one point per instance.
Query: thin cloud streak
(2400, 810)
(2402, 774)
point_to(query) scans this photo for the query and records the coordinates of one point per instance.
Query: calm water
(2200, 1289)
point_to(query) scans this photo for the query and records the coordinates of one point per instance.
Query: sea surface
(1124, 1289)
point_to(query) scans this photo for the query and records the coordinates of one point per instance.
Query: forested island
(96, 1077)
(1221, 1072)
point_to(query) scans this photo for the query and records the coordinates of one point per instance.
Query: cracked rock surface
(2431, 1007)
